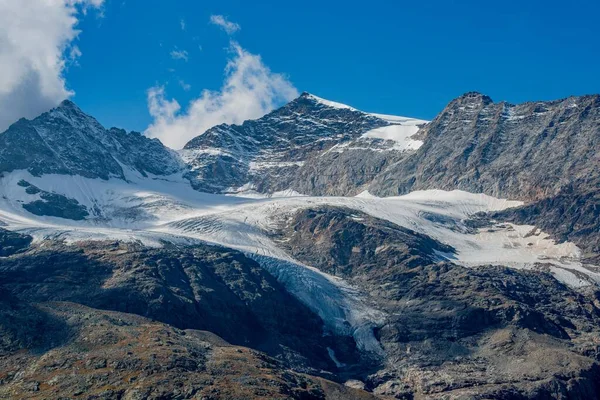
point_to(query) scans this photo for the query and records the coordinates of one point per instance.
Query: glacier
(158, 209)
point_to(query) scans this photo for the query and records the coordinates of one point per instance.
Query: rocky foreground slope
(93, 354)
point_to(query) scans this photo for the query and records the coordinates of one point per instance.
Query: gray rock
(67, 141)
(286, 149)
(53, 204)
(527, 151)
(12, 242)
(200, 287)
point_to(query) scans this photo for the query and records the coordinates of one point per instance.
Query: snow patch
(401, 135)
(330, 103)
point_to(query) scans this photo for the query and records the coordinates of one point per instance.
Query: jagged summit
(65, 140)
(68, 107)
(526, 151)
(474, 95)
(68, 104)
(472, 98)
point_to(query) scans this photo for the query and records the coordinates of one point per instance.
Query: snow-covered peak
(327, 103)
(67, 141)
(392, 119)
(68, 112)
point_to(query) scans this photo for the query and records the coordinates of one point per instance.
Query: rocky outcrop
(527, 151)
(53, 204)
(345, 171)
(349, 244)
(12, 242)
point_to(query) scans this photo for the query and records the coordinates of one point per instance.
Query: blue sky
(397, 57)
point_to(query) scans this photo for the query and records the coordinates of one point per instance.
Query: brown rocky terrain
(59, 342)
(96, 354)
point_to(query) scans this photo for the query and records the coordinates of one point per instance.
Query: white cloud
(249, 91)
(225, 24)
(36, 39)
(182, 23)
(179, 55)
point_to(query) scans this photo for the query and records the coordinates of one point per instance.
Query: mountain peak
(472, 97)
(68, 105)
(306, 96)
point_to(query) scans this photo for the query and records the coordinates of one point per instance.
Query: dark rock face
(474, 144)
(526, 151)
(23, 326)
(113, 355)
(202, 287)
(347, 243)
(454, 332)
(53, 204)
(67, 141)
(281, 150)
(12, 242)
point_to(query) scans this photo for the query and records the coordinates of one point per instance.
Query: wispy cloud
(225, 24)
(249, 91)
(185, 86)
(36, 45)
(179, 55)
(182, 24)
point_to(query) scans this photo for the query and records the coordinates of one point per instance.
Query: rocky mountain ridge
(112, 237)
(316, 147)
(527, 151)
(67, 141)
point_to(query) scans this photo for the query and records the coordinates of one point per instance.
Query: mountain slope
(526, 151)
(285, 149)
(95, 354)
(454, 332)
(571, 215)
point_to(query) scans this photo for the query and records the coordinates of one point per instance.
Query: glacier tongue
(341, 307)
